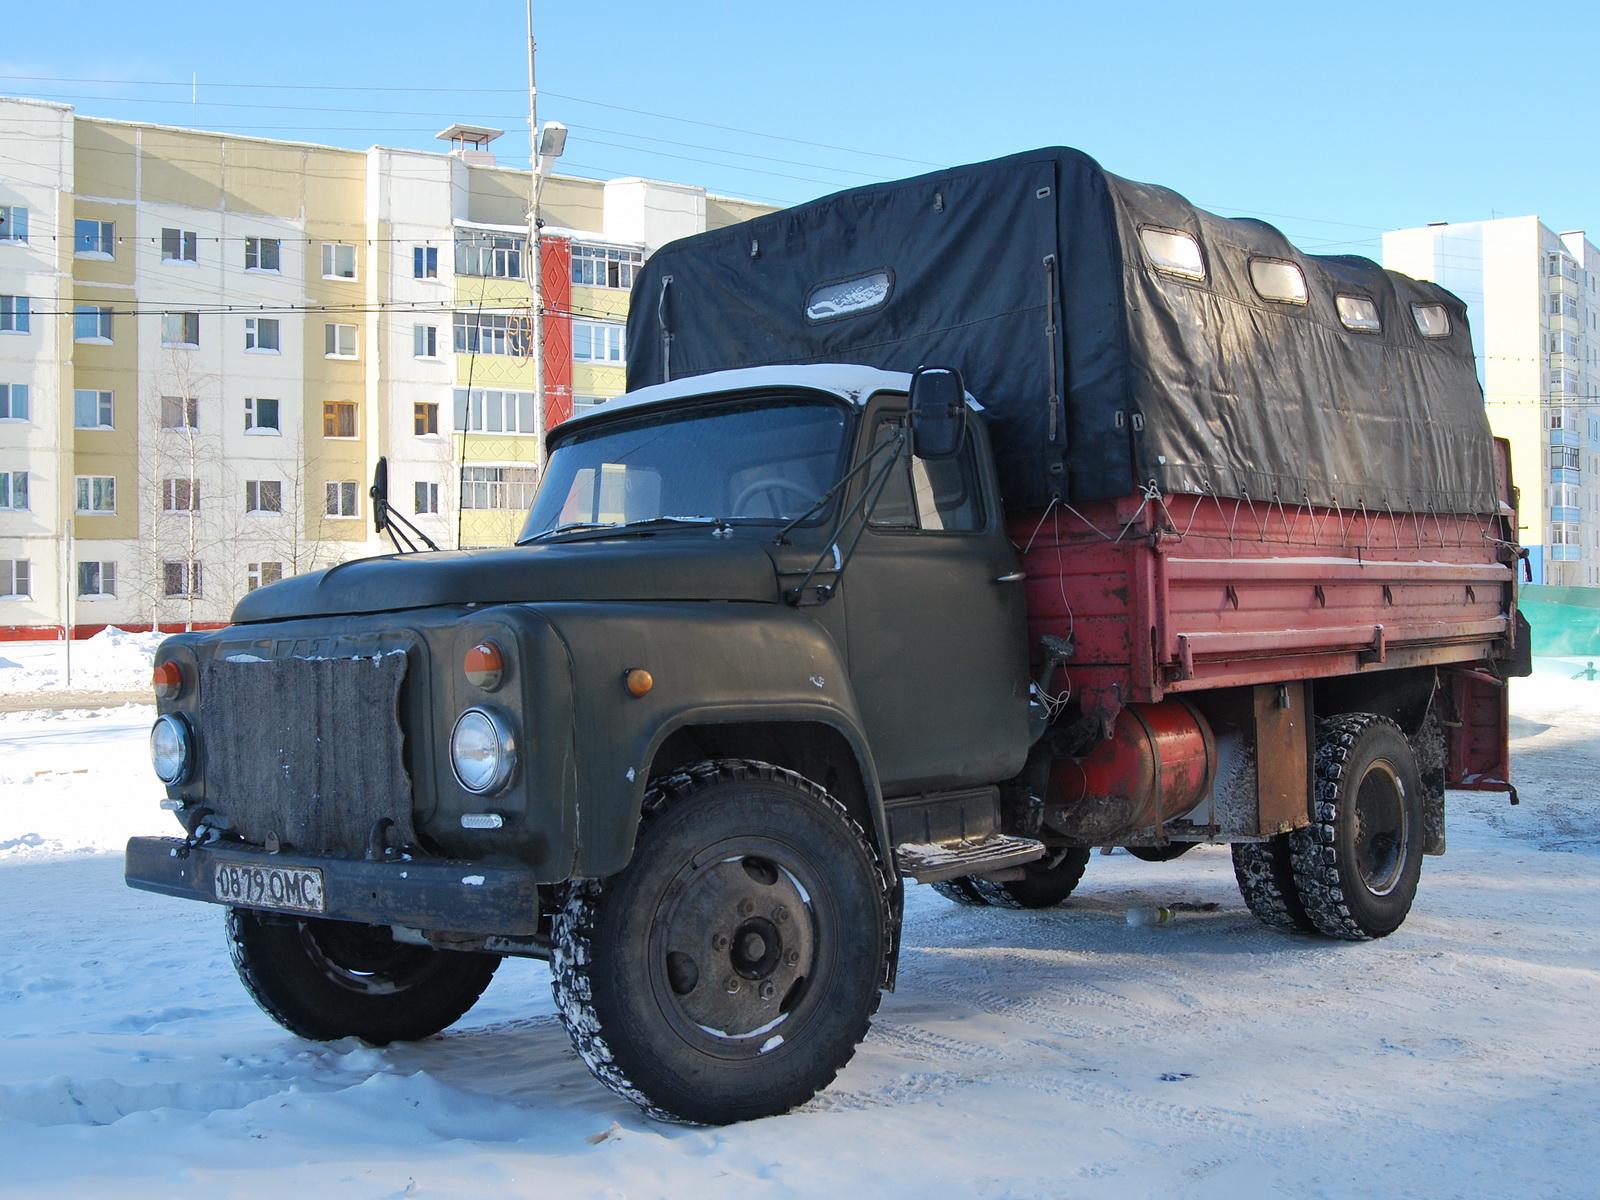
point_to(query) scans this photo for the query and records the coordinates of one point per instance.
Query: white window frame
(333, 341)
(343, 500)
(480, 489)
(10, 575)
(253, 248)
(336, 256)
(255, 327)
(13, 232)
(105, 572)
(612, 336)
(190, 576)
(101, 315)
(182, 247)
(425, 262)
(16, 314)
(495, 410)
(12, 394)
(14, 487)
(605, 266)
(188, 410)
(180, 499)
(252, 416)
(425, 498)
(94, 495)
(256, 574)
(105, 235)
(502, 334)
(104, 408)
(183, 324)
(424, 341)
(255, 493)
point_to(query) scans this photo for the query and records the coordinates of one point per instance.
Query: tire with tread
(1357, 864)
(1047, 881)
(730, 970)
(1266, 881)
(325, 980)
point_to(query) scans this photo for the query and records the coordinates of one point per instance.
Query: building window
(425, 418)
(14, 491)
(258, 575)
(497, 488)
(604, 266)
(180, 245)
(13, 223)
(13, 314)
(94, 239)
(260, 415)
(598, 342)
(182, 580)
(342, 498)
(180, 495)
(97, 494)
(14, 402)
(15, 582)
(92, 323)
(97, 580)
(91, 409)
(487, 410)
(180, 329)
(426, 497)
(339, 341)
(263, 495)
(580, 403)
(261, 334)
(1563, 305)
(425, 262)
(490, 255)
(1563, 380)
(338, 261)
(1565, 343)
(339, 419)
(493, 333)
(262, 254)
(180, 412)
(425, 341)
(1566, 458)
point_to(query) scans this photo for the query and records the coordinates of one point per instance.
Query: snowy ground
(1048, 1054)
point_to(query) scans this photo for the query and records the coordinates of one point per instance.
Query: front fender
(712, 663)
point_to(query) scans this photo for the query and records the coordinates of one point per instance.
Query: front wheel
(732, 967)
(1357, 864)
(325, 979)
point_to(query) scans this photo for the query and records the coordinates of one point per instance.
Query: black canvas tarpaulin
(1100, 372)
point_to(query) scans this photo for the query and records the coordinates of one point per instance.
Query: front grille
(308, 749)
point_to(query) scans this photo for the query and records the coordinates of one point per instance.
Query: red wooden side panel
(1184, 593)
(555, 257)
(1479, 744)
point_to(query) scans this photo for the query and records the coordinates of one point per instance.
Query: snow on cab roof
(848, 382)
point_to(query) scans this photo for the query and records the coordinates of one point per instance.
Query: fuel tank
(1158, 764)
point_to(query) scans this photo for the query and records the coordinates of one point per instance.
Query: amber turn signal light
(639, 681)
(167, 680)
(485, 666)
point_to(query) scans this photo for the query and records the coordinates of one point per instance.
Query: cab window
(938, 496)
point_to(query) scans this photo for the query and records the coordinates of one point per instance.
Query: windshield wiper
(626, 526)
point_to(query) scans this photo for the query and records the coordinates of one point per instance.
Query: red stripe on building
(555, 256)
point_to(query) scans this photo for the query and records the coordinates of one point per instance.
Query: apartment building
(207, 341)
(1534, 300)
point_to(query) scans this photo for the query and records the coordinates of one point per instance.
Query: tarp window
(1432, 320)
(1359, 313)
(849, 297)
(1173, 252)
(1275, 279)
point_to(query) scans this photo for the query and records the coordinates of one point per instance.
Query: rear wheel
(1266, 881)
(1356, 866)
(1159, 854)
(325, 979)
(730, 970)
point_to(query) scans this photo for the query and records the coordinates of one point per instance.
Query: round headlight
(171, 749)
(483, 751)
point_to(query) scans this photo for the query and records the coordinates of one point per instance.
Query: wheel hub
(738, 945)
(1379, 816)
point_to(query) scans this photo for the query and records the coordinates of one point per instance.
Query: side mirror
(938, 408)
(379, 495)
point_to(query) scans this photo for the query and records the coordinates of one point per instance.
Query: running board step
(931, 862)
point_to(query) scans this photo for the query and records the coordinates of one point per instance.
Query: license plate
(257, 885)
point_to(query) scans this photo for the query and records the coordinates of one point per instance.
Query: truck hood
(662, 567)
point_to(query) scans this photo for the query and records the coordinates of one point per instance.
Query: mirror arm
(862, 508)
(822, 500)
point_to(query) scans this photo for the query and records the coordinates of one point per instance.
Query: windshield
(757, 461)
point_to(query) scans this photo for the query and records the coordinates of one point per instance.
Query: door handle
(1012, 577)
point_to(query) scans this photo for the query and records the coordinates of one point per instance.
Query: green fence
(1565, 620)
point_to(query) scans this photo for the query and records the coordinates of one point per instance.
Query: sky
(1334, 122)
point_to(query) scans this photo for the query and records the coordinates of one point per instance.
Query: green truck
(788, 626)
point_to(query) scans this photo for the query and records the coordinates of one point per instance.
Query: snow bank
(113, 660)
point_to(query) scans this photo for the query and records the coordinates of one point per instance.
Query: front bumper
(427, 894)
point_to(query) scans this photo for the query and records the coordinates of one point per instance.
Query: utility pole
(535, 265)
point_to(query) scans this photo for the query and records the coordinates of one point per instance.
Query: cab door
(934, 603)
